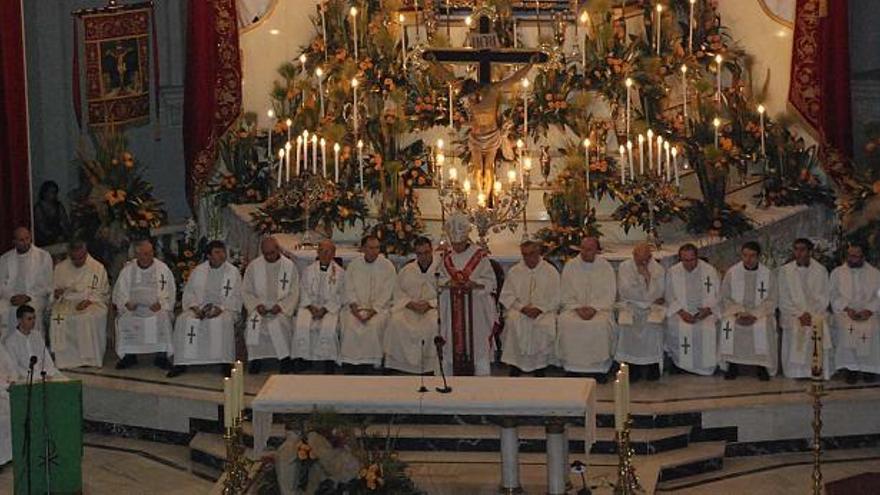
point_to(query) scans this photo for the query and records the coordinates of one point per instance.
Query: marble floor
(113, 465)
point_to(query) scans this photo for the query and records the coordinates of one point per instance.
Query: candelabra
(236, 466)
(502, 210)
(627, 480)
(817, 390)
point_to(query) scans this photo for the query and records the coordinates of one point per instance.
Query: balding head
(589, 248)
(642, 254)
(21, 239)
(326, 251)
(270, 249)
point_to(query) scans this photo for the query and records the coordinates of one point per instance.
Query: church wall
(54, 133)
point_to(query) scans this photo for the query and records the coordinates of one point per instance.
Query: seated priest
(804, 294)
(78, 325)
(409, 338)
(587, 333)
(8, 376)
(270, 291)
(369, 286)
(640, 285)
(27, 347)
(204, 332)
(25, 278)
(316, 329)
(530, 297)
(692, 313)
(748, 325)
(467, 283)
(144, 296)
(855, 300)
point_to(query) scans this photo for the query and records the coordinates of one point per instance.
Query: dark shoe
(175, 371)
(601, 378)
(852, 376)
(127, 361)
(329, 368)
(225, 369)
(161, 361)
(541, 373)
(635, 373)
(514, 371)
(653, 372)
(732, 372)
(869, 377)
(763, 374)
(256, 366)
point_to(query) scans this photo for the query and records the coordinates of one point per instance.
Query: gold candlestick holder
(627, 479)
(816, 391)
(236, 466)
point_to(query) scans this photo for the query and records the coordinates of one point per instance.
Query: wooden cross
(192, 333)
(58, 318)
(762, 290)
(227, 288)
(254, 321)
(708, 284)
(817, 339)
(162, 281)
(485, 52)
(727, 330)
(864, 338)
(686, 346)
(284, 281)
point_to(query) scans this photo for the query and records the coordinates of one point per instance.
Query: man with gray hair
(641, 312)
(25, 278)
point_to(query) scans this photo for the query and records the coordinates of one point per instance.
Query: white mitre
(457, 228)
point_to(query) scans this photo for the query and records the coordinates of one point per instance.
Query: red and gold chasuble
(462, 312)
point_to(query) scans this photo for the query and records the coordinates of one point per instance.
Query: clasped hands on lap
(700, 315)
(863, 315)
(262, 310)
(363, 315)
(206, 312)
(420, 307)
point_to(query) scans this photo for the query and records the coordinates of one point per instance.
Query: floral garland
(328, 205)
(246, 176)
(646, 203)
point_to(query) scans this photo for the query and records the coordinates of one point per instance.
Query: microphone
(439, 342)
(32, 363)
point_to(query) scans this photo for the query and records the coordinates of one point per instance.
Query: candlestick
(691, 27)
(315, 154)
(323, 157)
(618, 406)
(336, 163)
(668, 161)
(629, 159)
(323, 8)
(305, 136)
(628, 83)
(684, 94)
(515, 35)
(280, 164)
(585, 18)
(659, 156)
(641, 154)
(453, 174)
(402, 19)
(675, 166)
(360, 148)
(354, 107)
(587, 163)
(227, 402)
(761, 111)
(659, 21)
(353, 12)
(319, 73)
(519, 153)
(438, 173)
(525, 85)
(287, 147)
(481, 200)
(622, 164)
(717, 123)
(624, 383)
(450, 106)
(271, 114)
(298, 155)
(302, 63)
(418, 24)
(289, 124)
(718, 61)
(650, 149)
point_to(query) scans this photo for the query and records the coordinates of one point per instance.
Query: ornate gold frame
(271, 10)
(772, 15)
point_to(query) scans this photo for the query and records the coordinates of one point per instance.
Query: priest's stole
(55, 454)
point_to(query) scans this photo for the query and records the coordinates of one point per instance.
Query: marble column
(509, 456)
(557, 457)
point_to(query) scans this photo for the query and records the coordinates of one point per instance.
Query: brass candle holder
(235, 468)
(627, 479)
(816, 391)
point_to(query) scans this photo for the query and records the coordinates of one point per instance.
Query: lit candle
(691, 27)
(624, 383)
(336, 162)
(515, 35)
(497, 186)
(354, 108)
(628, 83)
(668, 161)
(324, 157)
(353, 12)
(650, 149)
(440, 160)
(239, 367)
(527, 165)
(618, 406)
(227, 402)
(481, 200)
(299, 142)
(585, 18)
(659, 21)
(587, 162)
(717, 123)
(453, 174)
(271, 114)
(684, 93)
(302, 63)
(402, 19)
(629, 159)
(289, 124)
(718, 61)
(287, 147)
(315, 154)
(418, 24)
(360, 148)
(466, 186)
(659, 156)
(525, 85)
(519, 153)
(305, 136)
(675, 166)
(761, 111)
(622, 164)
(818, 349)
(641, 154)
(319, 73)
(511, 177)
(450, 107)
(280, 164)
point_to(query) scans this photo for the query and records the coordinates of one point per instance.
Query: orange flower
(876, 187)
(115, 197)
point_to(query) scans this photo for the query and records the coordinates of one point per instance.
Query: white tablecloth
(484, 396)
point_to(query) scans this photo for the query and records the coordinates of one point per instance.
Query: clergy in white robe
(78, 323)
(8, 375)
(144, 296)
(587, 333)
(465, 269)
(641, 282)
(803, 309)
(204, 332)
(692, 313)
(530, 297)
(855, 300)
(27, 345)
(25, 278)
(271, 293)
(316, 330)
(368, 289)
(409, 338)
(748, 324)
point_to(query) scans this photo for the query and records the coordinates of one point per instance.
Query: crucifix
(58, 318)
(227, 288)
(708, 284)
(284, 281)
(254, 321)
(485, 137)
(864, 338)
(762, 290)
(162, 282)
(817, 341)
(686, 346)
(727, 330)
(192, 333)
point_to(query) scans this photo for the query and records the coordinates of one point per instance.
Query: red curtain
(212, 92)
(15, 184)
(819, 87)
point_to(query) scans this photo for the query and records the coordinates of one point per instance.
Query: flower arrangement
(114, 204)
(243, 176)
(318, 200)
(646, 203)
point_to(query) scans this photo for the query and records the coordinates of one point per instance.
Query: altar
(558, 400)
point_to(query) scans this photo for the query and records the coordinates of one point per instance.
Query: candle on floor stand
(520, 144)
(353, 12)
(641, 154)
(629, 159)
(659, 21)
(227, 402)
(718, 64)
(354, 107)
(319, 73)
(239, 373)
(587, 164)
(691, 27)
(624, 385)
(438, 175)
(336, 163)
(315, 154)
(628, 83)
(716, 122)
(668, 161)
(761, 111)
(298, 155)
(360, 155)
(675, 166)
(418, 24)
(525, 86)
(402, 20)
(618, 406)
(280, 165)
(622, 164)
(287, 148)
(323, 157)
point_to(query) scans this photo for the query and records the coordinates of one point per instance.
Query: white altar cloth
(485, 396)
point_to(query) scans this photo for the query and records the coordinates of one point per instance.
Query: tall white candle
(618, 406)
(287, 147)
(659, 156)
(289, 124)
(323, 8)
(641, 154)
(354, 108)
(271, 114)
(587, 163)
(280, 164)
(716, 122)
(315, 154)
(719, 60)
(520, 144)
(691, 27)
(438, 174)
(525, 86)
(299, 142)
(624, 383)
(675, 166)
(324, 157)
(684, 94)
(302, 63)
(628, 83)
(629, 159)
(650, 149)
(360, 148)
(336, 163)
(402, 19)
(353, 12)
(761, 111)
(450, 107)
(515, 35)
(585, 18)
(227, 402)
(659, 21)
(668, 161)
(305, 150)
(319, 74)
(622, 164)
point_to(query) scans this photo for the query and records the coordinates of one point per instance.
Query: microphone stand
(439, 341)
(27, 423)
(47, 441)
(422, 387)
